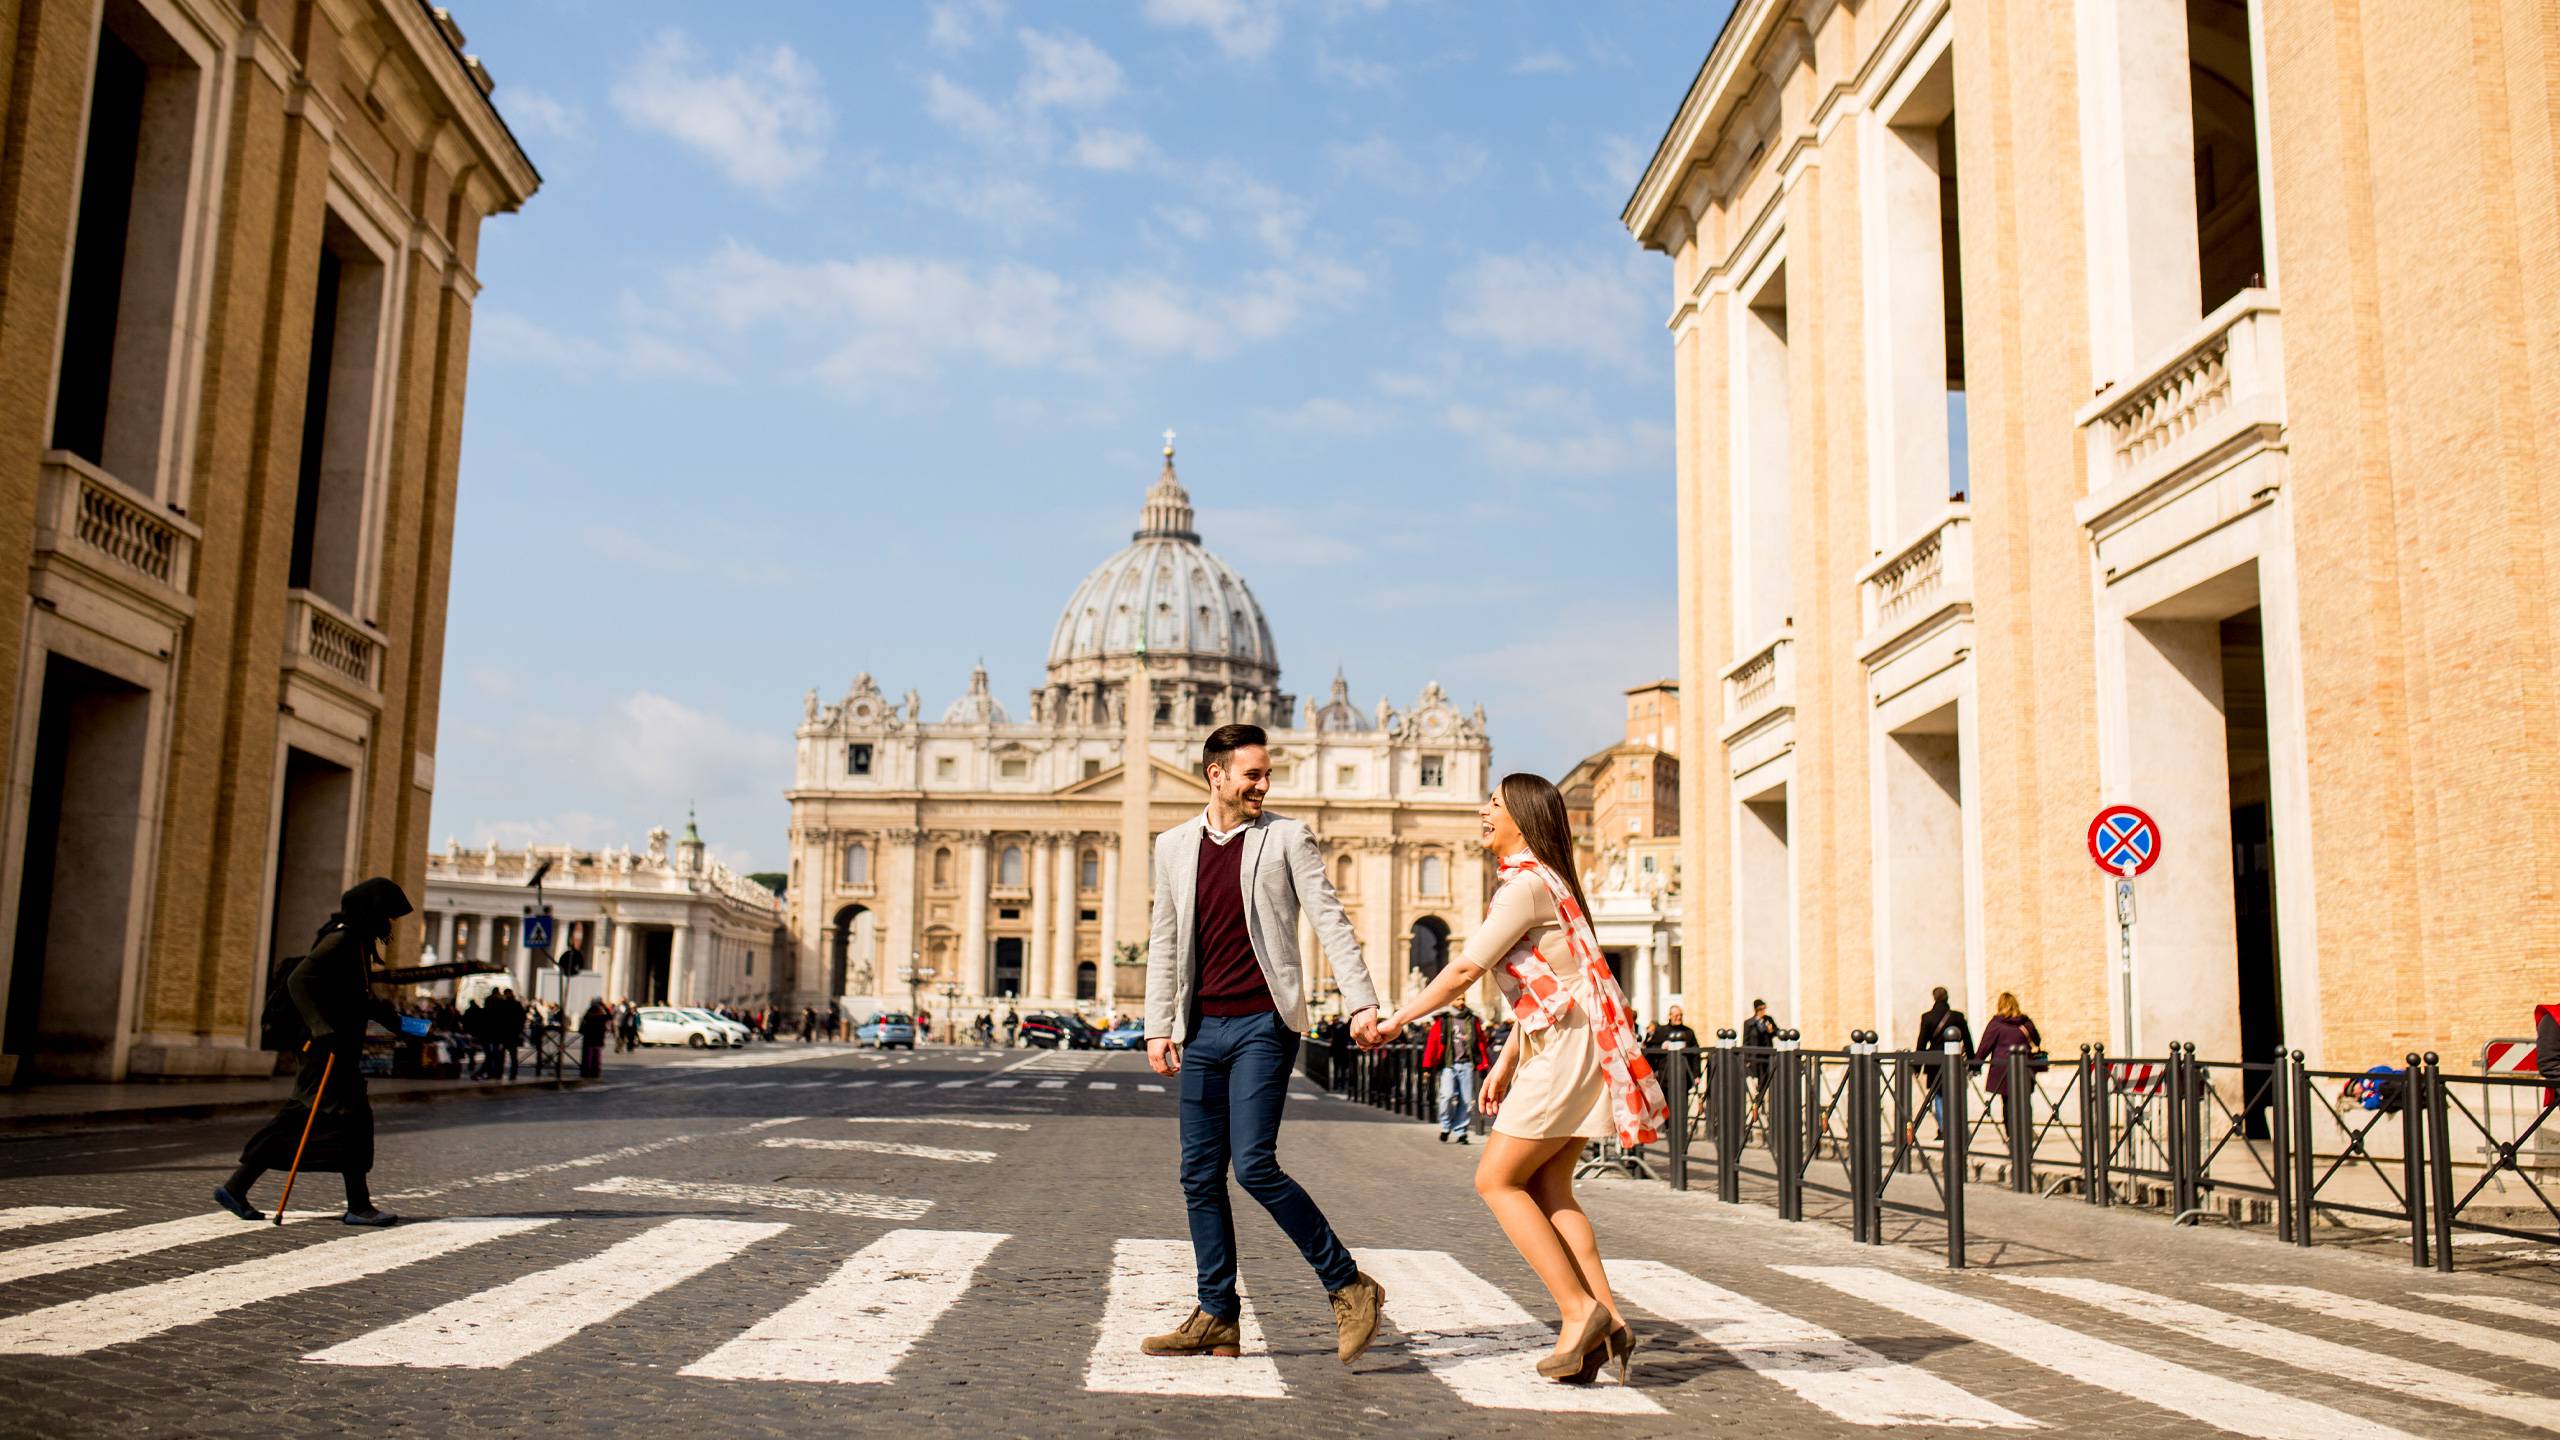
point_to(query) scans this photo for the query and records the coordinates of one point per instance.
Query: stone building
(670, 925)
(235, 309)
(2145, 401)
(1003, 857)
(1624, 803)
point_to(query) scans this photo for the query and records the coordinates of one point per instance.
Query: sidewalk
(60, 1105)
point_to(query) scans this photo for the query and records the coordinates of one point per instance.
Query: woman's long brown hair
(1537, 807)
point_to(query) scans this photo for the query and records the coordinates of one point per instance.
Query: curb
(179, 1108)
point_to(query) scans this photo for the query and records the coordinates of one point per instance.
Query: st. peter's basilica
(963, 862)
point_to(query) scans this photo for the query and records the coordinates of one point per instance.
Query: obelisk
(1137, 843)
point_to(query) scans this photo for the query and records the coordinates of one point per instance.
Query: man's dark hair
(1226, 740)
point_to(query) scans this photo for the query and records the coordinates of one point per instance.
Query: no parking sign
(2124, 840)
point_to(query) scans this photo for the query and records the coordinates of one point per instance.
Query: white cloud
(763, 121)
(504, 337)
(744, 565)
(539, 114)
(1382, 161)
(1543, 62)
(1622, 162)
(1066, 70)
(1243, 29)
(1104, 149)
(1013, 206)
(1602, 311)
(960, 108)
(1545, 431)
(1354, 71)
(1184, 221)
(1328, 415)
(956, 24)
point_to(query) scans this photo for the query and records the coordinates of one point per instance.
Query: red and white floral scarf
(1539, 999)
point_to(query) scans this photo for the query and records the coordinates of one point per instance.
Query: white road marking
(1152, 1287)
(955, 1084)
(811, 1084)
(583, 1162)
(1478, 1342)
(855, 1326)
(1842, 1377)
(858, 1084)
(920, 1120)
(1002, 1084)
(119, 1316)
(1152, 1089)
(851, 1203)
(24, 1216)
(888, 1147)
(904, 1084)
(531, 1313)
(2364, 1365)
(2464, 1333)
(758, 1085)
(2226, 1404)
(1100, 1085)
(1053, 1084)
(2506, 1305)
(82, 1251)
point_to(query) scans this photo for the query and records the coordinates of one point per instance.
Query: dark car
(1050, 1030)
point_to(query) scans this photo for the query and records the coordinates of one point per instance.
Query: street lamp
(950, 1008)
(916, 975)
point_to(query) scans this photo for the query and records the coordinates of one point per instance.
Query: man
(1455, 1045)
(1012, 1025)
(1226, 1002)
(1759, 1032)
(1672, 1034)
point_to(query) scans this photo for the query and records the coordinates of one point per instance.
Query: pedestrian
(1759, 1033)
(1674, 1034)
(591, 1028)
(1574, 1073)
(1223, 1014)
(1012, 1026)
(511, 1032)
(808, 1023)
(328, 1122)
(1455, 1046)
(1941, 1026)
(630, 1026)
(2009, 1041)
(924, 1027)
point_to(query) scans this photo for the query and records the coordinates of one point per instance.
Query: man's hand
(1163, 1056)
(1370, 1033)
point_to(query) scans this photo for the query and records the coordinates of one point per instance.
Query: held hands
(1163, 1056)
(1371, 1034)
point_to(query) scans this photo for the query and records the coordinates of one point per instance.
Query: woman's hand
(1497, 1084)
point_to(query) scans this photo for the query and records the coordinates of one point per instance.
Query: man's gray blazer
(1280, 871)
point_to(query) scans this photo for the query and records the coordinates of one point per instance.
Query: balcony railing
(1927, 576)
(1760, 684)
(2225, 380)
(124, 535)
(331, 641)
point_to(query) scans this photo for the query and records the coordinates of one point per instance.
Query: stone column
(1063, 943)
(1035, 862)
(679, 977)
(976, 959)
(2138, 180)
(1111, 893)
(1137, 787)
(1378, 905)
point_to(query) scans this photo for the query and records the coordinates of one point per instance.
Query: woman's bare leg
(1551, 1188)
(1502, 1178)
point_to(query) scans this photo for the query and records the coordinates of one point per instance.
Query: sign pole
(2124, 842)
(2124, 952)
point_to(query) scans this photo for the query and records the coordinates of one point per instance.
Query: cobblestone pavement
(970, 1241)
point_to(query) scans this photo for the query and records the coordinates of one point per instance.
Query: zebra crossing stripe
(1152, 1285)
(1849, 1381)
(24, 1216)
(1152, 1089)
(904, 1084)
(82, 1251)
(771, 1197)
(2528, 1348)
(119, 1316)
(2285, 1347)
(1478, 1341)
(1002, 1084)
(1053, 1084)
(855, 1326)
(858, 1084)
(955, 1084)
(2224, 1404)
(529, 1314)
(1100, 1085)
(2506, 1305)
(936, 1120)
(886, 1147)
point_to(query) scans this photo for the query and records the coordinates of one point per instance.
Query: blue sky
(840, 336)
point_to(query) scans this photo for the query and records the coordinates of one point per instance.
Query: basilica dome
(1166, 595)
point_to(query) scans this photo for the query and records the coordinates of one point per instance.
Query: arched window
(1086, 982)
(1089, 871)
(942, 868)
(1342, 872)
(1427, 948)
(857, 864)
(1009, 867)
(1434, 877)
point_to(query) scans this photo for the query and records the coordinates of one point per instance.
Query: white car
(738, 1034)
(666, 1025)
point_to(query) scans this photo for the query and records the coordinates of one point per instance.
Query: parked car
(1052, 1030)
(1127, 1035)
(737, 1034)
(885, 1029)
(667, 1025)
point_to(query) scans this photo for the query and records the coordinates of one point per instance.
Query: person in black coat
(1943, 1023)
(591, 1028)
(331, 991)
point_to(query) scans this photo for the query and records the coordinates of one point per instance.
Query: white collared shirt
(1216, 836)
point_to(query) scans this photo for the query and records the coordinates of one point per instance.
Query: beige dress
(1559, 1089)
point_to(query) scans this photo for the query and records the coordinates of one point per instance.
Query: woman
(331, 991)
(1572, 1070)
(2010, 1040)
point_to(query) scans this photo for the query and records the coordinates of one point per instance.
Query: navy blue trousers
(1235, 1081)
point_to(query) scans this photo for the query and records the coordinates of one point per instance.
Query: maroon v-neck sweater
(1231, 980)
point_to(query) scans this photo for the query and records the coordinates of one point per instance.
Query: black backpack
(280, 1025)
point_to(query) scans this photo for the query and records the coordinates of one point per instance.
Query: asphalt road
(970, 1242)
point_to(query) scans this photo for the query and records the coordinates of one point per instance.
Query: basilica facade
(982, 859)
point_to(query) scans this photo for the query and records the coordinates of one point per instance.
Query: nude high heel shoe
(1572, 1354)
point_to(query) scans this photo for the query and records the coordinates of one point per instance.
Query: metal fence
(1904, 1132)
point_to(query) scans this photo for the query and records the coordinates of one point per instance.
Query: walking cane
(328, 1062)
